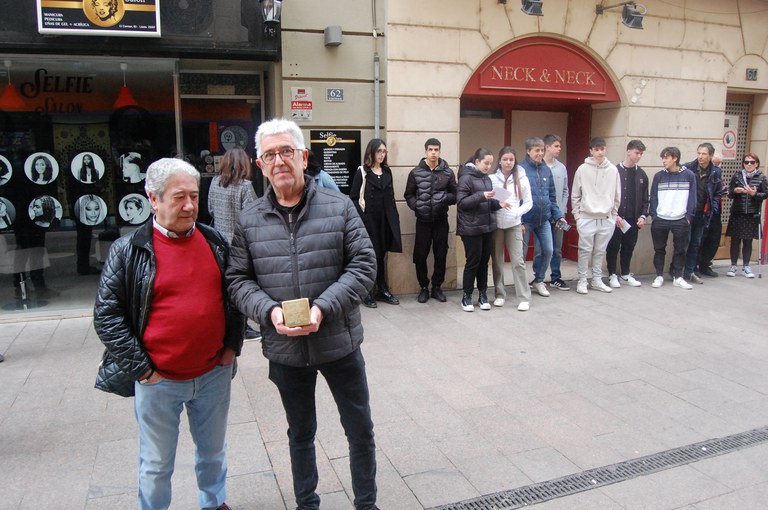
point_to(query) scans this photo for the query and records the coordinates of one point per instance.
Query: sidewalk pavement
(464, 404)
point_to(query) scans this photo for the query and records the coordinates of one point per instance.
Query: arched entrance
(531, 87)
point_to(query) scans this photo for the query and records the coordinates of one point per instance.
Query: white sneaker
(748, 272)
(658, 282)
(630, 280)
(541, 289)
(597, 284)
(581, 287)
(680, 282)
(613, 281)
(524, 306)
(499, 301)
(732, 271)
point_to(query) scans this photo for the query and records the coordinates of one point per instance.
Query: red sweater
(185, 331)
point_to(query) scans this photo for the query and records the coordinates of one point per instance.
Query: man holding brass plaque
(300, 241)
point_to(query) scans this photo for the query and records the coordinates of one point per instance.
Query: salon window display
(90, 210)
(87, 167)
(131, 167)
(134, 209)
(45, 211)
(6, 170)
(41, 168)
(7, 213)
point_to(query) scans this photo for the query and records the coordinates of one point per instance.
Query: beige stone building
(696, 70)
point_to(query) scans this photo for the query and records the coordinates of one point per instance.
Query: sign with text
(301, 103)
(730, 137)
(338, 153)
(542, 67)
(131, 18)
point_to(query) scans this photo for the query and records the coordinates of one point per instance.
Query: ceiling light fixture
(125, 97)
(11, 100)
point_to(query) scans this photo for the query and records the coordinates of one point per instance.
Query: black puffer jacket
(325, 256)
(742, 202)
(122, 306)
(429, 193)
(476, 214)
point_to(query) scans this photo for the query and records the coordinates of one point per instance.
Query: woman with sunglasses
(748, 189)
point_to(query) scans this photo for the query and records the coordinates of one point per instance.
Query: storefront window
(72, 167)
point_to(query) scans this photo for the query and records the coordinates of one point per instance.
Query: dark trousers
(660, 230)
(622, 245)
(478, 251)
(349, 387)
(710, 242)
(430, 235)
(83, 246)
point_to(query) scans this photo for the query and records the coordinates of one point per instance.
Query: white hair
(278, 127)
(163, 169)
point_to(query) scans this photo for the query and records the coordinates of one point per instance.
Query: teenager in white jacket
(509, 228)
(595, 200)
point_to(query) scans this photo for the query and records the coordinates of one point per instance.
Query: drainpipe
(376, 80)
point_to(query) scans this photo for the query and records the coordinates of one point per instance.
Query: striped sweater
(673, 195)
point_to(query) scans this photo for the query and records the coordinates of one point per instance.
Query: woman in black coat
(748, 189)
(475, 224)
(376, 205)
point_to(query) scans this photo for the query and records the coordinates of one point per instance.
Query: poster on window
(132, 18)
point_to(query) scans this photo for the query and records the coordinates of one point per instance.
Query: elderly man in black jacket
(171, 336)
(301, 241)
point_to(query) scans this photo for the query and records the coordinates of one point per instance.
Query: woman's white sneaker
(658, 282)
(732, 271)
(748, 272)
(499, 301)
(524, 306)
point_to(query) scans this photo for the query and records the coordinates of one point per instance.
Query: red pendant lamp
(11, 100)
(125, 97)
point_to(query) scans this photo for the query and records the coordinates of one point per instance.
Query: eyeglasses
(381, 151)
(749, 162)
(285, 153)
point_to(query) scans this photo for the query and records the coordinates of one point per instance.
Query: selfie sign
(133, 18)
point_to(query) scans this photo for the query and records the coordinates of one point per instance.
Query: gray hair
(532, 142)
(279, 127)
(163, 169)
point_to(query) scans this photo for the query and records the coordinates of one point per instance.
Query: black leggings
(746, 250)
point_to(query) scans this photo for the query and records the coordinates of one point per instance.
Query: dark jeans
(349, 387)
(660, 230)
(622, 245)
(694, 245)
(710, 242)
(478, 251)
(430, 235)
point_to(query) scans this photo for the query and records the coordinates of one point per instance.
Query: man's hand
(619, 221)
(227, 357)
(315, 318)
(640, 222)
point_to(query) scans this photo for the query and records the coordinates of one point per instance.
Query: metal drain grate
(606, 475)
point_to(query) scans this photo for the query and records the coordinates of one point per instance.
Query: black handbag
(112, 379)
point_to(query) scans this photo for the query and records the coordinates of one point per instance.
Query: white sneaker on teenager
(630, 280)
(541, 289)
(658, 282)
(499, 301)
(680, 282)
(524, 306)
(613, 281)
(597, 284)
(581, 287)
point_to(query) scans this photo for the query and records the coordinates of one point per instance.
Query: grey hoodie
(596, 192)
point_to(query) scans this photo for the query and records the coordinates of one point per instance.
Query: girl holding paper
(509, 228)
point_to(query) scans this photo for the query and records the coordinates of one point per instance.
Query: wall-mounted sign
(335, 95)
(338, 153)
(301, 103)
(133, 18)
(730, 137)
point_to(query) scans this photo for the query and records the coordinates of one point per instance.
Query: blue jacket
(542, 192)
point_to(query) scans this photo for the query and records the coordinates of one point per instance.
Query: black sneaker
(559, 284)
(437, 293)
(482, 300)
(423, 295)
(708, 271)
(530, 284)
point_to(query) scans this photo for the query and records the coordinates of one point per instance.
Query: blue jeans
(557, 255)
(694, 245)
(349, 387)
(158, 410)
(543, 239)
